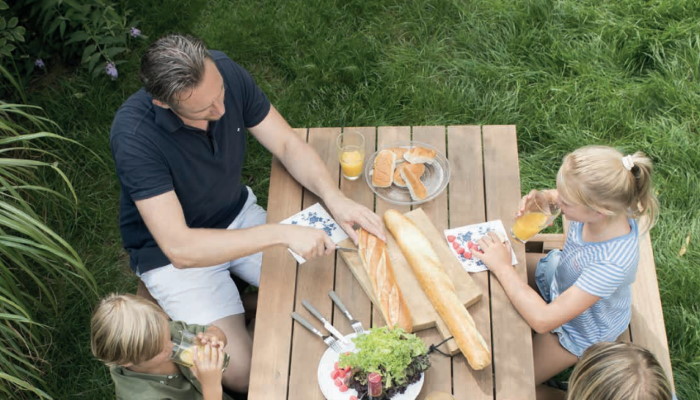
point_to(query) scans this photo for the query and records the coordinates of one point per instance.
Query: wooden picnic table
(485, 185)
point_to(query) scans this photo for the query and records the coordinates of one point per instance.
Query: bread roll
(419, 155)
(439, 288)
(419, 169)
(376, 261)
(383, 168)
(399, 151)
(415, 186)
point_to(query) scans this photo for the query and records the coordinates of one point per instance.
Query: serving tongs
(328, 339)
(356, 325)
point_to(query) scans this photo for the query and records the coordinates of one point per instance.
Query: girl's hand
(208, 365)
(493, 252)
(551, 194)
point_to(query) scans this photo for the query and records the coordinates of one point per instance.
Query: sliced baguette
(375, 259)
(419, 169)
(415, 186)
(419, 155)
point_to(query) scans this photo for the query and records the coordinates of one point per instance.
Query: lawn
(567, 73)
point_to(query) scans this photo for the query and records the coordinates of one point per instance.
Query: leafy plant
(94, 33)
(10, 32)
(32, 256)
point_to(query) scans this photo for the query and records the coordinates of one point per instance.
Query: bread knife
(330, 328)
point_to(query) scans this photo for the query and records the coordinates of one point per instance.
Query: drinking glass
(538, 214)
(183, 352)
(351, 154)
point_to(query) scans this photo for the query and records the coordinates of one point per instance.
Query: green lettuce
(388, 352)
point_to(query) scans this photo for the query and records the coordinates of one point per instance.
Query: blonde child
(618, 371)
(134, 337)
(585, 289)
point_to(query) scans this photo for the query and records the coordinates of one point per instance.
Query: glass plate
(331, 392)
(435, 177)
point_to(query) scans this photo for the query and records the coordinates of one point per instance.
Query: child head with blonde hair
(608, 182)
(127, 329)
(618, 371)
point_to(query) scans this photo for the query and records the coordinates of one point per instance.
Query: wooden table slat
(271, 344)
(512, 346)
(312, 275)
(467, 206)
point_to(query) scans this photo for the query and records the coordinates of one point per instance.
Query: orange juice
(351, 163)
(528, 225)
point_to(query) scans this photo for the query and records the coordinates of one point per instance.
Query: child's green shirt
(130, 385)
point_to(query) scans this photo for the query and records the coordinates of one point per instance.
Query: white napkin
(316, 217)
(460, 238)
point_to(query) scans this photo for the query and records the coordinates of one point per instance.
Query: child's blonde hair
(618, 371)
(609, 182)
(127, 329)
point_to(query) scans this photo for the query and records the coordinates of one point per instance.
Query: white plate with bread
(407, 173)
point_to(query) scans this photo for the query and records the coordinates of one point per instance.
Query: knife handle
(306, 324)
(313, 311)
(334, 296)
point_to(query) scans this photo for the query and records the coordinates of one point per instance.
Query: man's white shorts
(203, 295)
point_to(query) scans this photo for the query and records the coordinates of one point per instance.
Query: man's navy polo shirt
(155, 152)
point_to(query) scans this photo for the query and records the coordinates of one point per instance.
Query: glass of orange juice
(539, 213)
(351, 154)
(183, 352)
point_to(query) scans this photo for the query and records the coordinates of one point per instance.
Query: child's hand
(494, 253)
(551, 194)
(213, 335)
(208, 365)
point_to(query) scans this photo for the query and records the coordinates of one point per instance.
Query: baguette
(387, 293)
(399, 151)
(383, 168)
(439, 288)
(419, 155)
(419, 169)
(416, 188)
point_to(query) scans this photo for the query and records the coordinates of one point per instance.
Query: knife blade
(341, 248)
(326, 324)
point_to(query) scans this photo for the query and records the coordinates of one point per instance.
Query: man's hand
(348, 213)
(306, 241)
(494, 253)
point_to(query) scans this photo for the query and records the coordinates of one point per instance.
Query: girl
(585, 288)
(618, 371)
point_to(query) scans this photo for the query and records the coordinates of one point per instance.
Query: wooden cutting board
(422, 312)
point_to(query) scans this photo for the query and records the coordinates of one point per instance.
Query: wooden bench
(647, 328)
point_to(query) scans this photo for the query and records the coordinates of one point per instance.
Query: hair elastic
(627, 162)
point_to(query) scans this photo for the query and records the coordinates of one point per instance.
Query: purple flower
(135, 32)
(39, 63)
(111, 70)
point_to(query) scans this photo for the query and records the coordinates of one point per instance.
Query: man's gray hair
(171, 65)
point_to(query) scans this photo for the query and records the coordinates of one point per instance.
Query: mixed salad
(399, 357)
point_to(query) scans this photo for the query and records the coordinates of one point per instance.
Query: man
(186, 219)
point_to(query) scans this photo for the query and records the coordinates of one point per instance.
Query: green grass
(567, 73)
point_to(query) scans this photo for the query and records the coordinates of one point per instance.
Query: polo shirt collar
(166, 119)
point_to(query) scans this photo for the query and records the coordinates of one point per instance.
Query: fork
(356, 325)
(328, 339)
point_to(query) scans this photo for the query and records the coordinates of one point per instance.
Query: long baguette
(376, 261)
(439, 288)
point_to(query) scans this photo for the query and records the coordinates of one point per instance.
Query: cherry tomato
(461, 250)
(468, 255)
(343, 388)
(353, 397)
(455, 245)
(335, 374)
(451, 238)
(338, 382)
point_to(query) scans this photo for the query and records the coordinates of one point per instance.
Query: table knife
(341, 248)
(326, 324)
